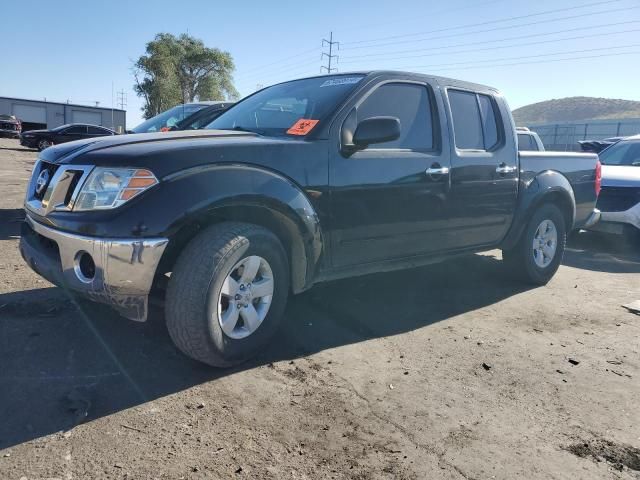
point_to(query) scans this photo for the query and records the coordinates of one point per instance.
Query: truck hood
(170, 152)
(60, 153)
(620, 176)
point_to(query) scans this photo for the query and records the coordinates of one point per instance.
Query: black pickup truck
(299, 183)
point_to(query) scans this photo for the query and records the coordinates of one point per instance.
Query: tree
(182, 69)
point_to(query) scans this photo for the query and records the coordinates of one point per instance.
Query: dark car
(596, 146)
(302, 182)
(10, 126)
(42, 139)
(203, 117)
(168, 119)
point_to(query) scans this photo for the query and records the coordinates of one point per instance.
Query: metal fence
(565, 136)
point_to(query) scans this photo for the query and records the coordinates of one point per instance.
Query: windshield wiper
(239, 128)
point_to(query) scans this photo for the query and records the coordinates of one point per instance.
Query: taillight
(598, 177)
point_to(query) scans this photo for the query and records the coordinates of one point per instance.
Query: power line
(260, 67)
(519, 37)
(526, 44)
(508, 27)
(489, 22)
(261, 76)
(587, 57)
(431, 15)
(506, 59)
(329, 55)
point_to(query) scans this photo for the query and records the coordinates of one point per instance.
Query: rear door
(384, 205)
(484, 168)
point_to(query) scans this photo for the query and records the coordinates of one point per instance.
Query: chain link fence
(565, 136)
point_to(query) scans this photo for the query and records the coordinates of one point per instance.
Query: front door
(384, 203)
(75, 132)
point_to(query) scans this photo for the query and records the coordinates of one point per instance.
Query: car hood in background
(620, 176)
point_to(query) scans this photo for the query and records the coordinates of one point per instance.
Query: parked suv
(302, 182)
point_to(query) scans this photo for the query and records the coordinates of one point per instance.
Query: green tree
(182, 69)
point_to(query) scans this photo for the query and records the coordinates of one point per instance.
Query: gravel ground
(451, 371)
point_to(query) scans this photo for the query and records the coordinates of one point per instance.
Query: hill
(575, 109)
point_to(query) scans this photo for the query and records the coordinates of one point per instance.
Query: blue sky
(75, 49)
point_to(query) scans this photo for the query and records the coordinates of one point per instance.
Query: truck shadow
(10, 222)
(603, 253)
(66, 362)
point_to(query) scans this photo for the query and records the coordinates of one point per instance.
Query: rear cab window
(475, 120)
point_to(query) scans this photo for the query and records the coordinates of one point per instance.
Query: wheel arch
(547, 187)
(266, 199)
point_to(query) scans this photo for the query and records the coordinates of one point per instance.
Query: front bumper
(124, 268)
(28, 142)
(5, 133)
(614, 222)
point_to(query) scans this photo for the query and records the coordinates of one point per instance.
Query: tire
(525, 264)
(44, 143)
(195, 303)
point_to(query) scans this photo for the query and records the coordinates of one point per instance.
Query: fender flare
(243, 192)
(549, 185)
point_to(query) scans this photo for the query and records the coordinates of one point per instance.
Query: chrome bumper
(124, 268)
(594, 218)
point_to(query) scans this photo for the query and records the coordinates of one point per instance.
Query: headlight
(111, 187)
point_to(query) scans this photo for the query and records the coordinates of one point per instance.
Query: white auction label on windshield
(341, 81)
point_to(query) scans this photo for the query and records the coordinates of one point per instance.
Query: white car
(619, 199)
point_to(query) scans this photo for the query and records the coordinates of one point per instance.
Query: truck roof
(426, 76)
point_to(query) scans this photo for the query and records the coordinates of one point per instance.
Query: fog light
(84, 267)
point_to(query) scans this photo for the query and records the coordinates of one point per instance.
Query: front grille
(38, 193)
(618, 199)
(8, 126)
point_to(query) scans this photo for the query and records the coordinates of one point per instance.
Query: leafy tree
(182, 69)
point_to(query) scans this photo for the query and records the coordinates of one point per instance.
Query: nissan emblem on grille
(42, 182)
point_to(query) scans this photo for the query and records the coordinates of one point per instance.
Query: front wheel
(227, 293)
(42, 144)
(539, 251)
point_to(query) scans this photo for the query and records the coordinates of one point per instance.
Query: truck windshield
(276, 110)
(622, 153)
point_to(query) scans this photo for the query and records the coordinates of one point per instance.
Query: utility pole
(112, 102)
(330, 56)
(122, 99)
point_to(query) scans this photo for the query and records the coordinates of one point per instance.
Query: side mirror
(376, 130)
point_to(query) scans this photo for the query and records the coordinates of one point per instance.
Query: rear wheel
(227, 293)
(539, 251)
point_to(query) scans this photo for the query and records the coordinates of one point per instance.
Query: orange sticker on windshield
(302, 127)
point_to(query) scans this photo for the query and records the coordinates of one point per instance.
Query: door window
(98, 131)
(475, 124)
(411, 104)
(76, 130)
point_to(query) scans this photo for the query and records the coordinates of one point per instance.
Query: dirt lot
(451, 371)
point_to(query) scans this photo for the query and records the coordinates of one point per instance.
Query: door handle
(503, 169)
(435, 171)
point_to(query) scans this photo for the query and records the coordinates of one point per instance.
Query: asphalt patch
(618, 455)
